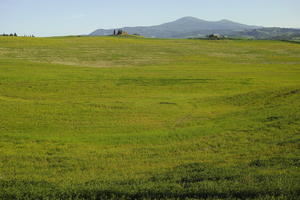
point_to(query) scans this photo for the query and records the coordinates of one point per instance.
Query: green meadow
(135, 118)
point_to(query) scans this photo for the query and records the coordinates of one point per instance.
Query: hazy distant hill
(191, 27)
(182, 28)
(269, 33)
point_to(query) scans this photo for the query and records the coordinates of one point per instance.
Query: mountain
(182, 28)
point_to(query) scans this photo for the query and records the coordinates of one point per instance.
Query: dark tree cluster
(119, 32)
(12, 34)
(15, 35)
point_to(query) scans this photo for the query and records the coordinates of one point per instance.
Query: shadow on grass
(189, 181)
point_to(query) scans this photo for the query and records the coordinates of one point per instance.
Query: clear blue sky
(67, 17)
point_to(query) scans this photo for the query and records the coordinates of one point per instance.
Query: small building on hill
(216, 37)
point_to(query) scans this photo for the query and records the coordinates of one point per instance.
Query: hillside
(136, 118)
(269, 33)
(181, 28)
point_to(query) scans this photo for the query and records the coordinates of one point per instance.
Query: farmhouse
(215, 37)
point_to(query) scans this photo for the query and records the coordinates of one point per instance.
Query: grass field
(131, 118)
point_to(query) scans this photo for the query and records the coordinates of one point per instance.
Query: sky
(74, 17)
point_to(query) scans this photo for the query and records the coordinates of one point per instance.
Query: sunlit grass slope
(134, 118)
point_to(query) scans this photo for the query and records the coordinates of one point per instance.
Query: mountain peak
(188, 18)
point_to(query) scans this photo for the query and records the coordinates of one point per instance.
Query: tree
(120, 32)
(15, 35)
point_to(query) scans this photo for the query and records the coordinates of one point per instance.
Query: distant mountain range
(268, 33)
(191, 27)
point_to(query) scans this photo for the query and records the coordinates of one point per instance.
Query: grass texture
(135, 118)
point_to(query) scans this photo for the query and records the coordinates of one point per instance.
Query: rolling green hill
(135, 118)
